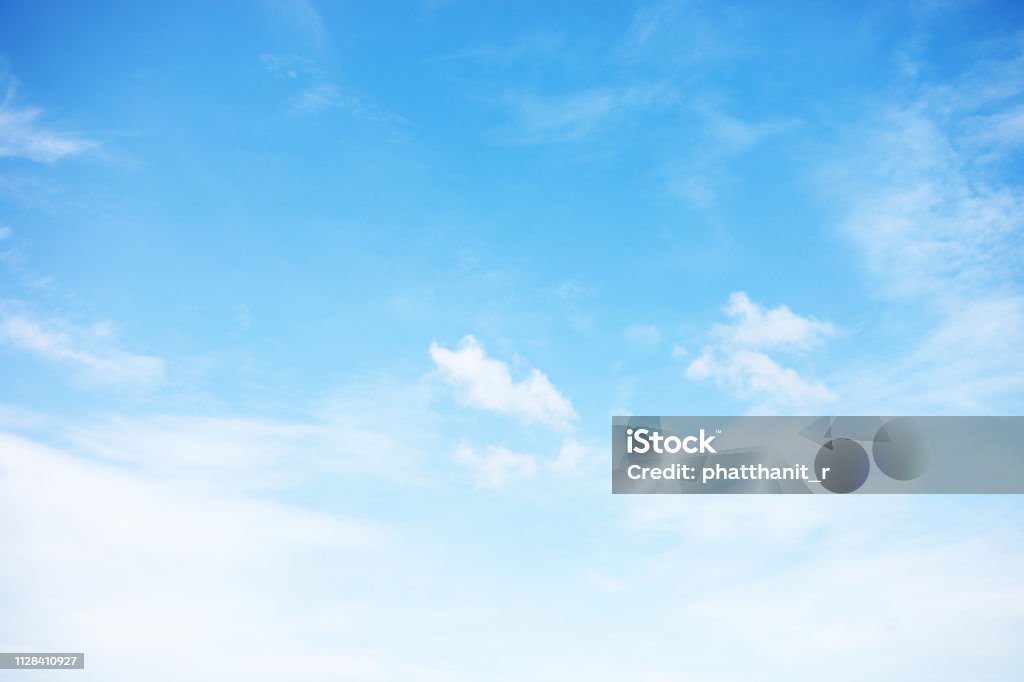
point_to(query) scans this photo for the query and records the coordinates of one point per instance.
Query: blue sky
(313, 318)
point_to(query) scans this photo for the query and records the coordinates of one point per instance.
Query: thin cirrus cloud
(91, 351)
(937, 228)
(318, 93)
(494, 466)
(327, 96)
(736, 356)
(485, 383)
(535, 45)
(575, 116)
(24, 136)
(337, 436)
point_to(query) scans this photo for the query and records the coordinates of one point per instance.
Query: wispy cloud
(289, 66)
(673, 34)
(574, 116)
(721, 138)
(337, 436)
(540, 43)
(24, 135)
(327, 96)
(940, 229)
(92, 351)
(494, 466)
(315, 92)
(303, 17)
(485, 383)
(927, 219)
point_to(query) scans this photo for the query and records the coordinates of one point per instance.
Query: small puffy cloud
(485, 383)
(736, 357)
(91, 350)
(752, 373)
(495, 466)
(755, 326)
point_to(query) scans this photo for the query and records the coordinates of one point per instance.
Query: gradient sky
(313, 318)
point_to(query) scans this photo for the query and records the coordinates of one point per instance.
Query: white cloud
(757, 327)
(486, 383)
(967, 363)
(160, 566)
(23, 136)
(925, 222)
(495, 465)
(1003, 131)
(90, 350)
(923, 197)
(866, 617)
(850, 589)
(363, 425)
(184, 443)
(754, 374)
(736, 359)
(5, 232)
